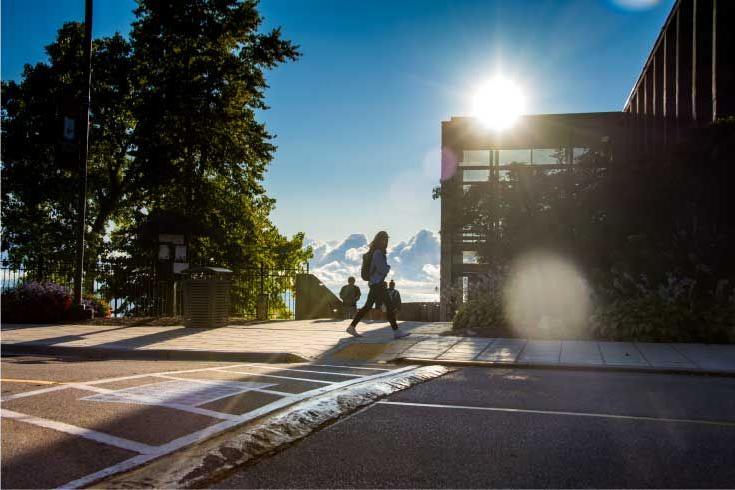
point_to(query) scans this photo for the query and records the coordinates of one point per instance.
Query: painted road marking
(34, 392)
(215, 381)
(557, 412)
(93, 435)
(140, 394)
(181, 392)
(302, 370)
(213, 430)
(279, 377)
(29, 381)
(350, 367)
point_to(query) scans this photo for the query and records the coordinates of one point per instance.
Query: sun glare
(498, 103)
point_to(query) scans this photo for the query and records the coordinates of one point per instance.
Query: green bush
(99, 305)
(650, 318)
(485, 313)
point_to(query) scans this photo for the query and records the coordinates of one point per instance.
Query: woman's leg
(363, 311)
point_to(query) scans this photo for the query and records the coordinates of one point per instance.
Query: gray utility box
(206, 296)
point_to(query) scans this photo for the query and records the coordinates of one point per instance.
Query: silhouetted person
(394, 297)
(376, 270)
(349, 294)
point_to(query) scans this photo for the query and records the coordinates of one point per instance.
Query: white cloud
(415, 264)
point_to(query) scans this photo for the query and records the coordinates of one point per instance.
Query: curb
(151, 354)
(566, 367)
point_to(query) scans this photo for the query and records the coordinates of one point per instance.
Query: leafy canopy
(173, 129)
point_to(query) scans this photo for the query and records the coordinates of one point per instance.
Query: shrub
(36, 302)
(485, 312)
(99, 305)
(651, 318)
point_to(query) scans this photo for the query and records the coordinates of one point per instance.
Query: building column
(723, 51)
(669, 83)
(702, 70)
(684, 60)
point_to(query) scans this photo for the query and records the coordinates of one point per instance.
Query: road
(68, 421)
(522, 428)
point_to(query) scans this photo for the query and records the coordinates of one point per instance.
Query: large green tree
(199, 67)
(173, 129)
(39, 192)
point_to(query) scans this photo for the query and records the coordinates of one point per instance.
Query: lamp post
(83, 151)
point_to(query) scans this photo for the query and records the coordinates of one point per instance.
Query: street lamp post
(83, 152)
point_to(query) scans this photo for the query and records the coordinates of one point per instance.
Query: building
(687, 80)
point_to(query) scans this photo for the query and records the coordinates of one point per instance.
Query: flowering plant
(36, 302)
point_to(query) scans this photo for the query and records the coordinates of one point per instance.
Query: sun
(498, 103)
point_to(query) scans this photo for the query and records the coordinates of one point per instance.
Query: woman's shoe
(352, 331)
(399, 335)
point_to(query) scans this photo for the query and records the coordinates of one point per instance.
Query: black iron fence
(136, 290)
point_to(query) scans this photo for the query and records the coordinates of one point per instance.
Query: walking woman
(376, 273)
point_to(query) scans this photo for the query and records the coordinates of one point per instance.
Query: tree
(173, 129)
(199, 68)
(39, 193)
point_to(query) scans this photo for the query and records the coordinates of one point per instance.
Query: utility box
(206, 292)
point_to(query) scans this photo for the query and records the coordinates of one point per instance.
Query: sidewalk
(290, 341)
(284, 341)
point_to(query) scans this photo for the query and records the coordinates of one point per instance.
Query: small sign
(180, 253)
(180, 266)
(164, 252)
(70, 133)
(169, 238)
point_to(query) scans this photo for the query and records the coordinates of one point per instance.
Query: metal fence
(136, 290)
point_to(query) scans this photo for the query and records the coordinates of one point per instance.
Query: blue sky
(357, 118)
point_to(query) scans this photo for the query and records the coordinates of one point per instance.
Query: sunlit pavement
(69, 421)
(326, 340)
(694, 358)
(522, 428)
(284, 341)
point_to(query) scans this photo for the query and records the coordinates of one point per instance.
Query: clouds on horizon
(414, 264)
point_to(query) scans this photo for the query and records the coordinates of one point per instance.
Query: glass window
(475, 175)
(475, 157)
(470, 257)
(514, 156)
(579, 155)
(549, 156)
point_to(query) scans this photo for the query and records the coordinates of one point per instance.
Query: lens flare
(498, 103)
(546, 296)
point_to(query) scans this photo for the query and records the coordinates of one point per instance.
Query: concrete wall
(314, 299)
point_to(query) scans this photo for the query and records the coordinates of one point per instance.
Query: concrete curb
(150, 354)
(212, 460)
(566, 367)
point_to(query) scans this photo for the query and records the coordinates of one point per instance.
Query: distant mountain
(414, 264)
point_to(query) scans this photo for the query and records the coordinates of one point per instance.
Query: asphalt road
(522, 428)
(67, 421)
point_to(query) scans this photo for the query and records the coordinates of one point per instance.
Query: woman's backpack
(367, 261)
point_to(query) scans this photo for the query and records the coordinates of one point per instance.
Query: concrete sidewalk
(283, 341)
(639, 356)
(289, 341)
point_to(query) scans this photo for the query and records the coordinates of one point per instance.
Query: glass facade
(508, 157)
(476, 158)
(475, 175)
(549, 156)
